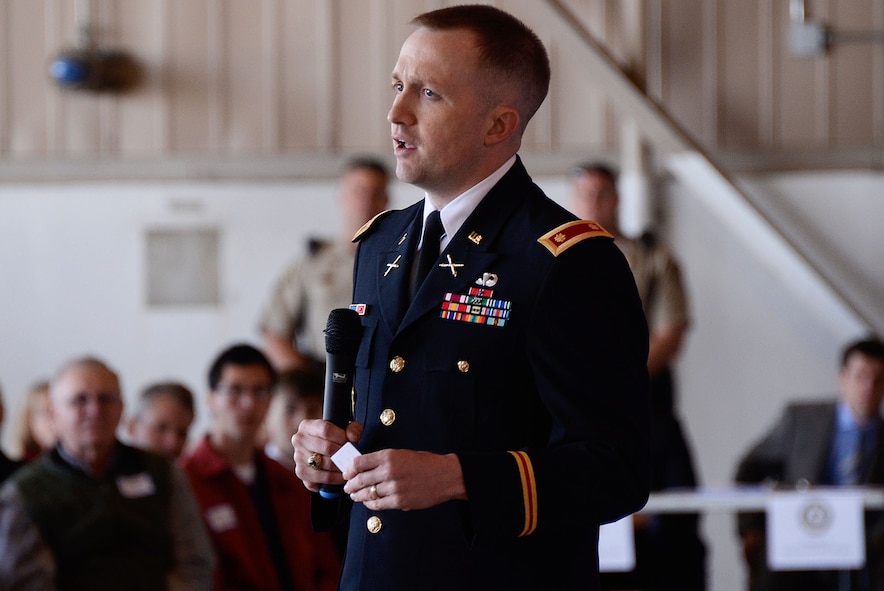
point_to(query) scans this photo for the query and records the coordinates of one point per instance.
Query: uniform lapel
(393, 270)
(473, 250)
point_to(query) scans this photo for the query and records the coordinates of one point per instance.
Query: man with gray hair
(94, 513)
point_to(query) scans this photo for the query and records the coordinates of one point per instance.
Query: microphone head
(343, 332)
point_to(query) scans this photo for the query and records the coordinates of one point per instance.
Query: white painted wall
(72, 262)
(756, 344)
(72, 269)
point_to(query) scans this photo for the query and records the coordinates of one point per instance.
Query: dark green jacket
(112, 533)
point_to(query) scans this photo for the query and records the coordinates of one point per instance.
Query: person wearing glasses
(94, 513)
(256, 511)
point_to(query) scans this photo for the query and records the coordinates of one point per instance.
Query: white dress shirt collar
(455, 213)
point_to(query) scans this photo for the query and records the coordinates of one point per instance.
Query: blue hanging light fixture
(90, 67)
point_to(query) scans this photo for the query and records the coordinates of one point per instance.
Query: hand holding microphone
(343, 333)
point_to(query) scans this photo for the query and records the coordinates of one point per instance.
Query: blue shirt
(847, 436)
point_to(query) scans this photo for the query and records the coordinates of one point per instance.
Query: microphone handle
(336, 402)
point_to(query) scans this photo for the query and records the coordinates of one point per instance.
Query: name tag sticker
(136, 486)
(221, 518)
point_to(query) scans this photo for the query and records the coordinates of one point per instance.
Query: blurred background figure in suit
(835, 443)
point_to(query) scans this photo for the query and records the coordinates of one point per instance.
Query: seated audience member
(256, 510)
(94, 513)
(296, 396)
(835, 443)
(162, 419)
(34, 432)
(8, 466)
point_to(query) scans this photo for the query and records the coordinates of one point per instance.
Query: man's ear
(505, 121)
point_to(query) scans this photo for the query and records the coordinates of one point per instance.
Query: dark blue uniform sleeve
(587, 348)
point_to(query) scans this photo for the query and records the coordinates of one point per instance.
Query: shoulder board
(367, 225)
(560, 239)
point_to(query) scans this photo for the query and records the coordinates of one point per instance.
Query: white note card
(617, 546)
(815, 530)
(345, 455)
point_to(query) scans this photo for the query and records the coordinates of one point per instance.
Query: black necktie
(429, 251)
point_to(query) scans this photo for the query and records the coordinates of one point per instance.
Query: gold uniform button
(397, 364)
(388, 417)
(463, 366)
(374, 524)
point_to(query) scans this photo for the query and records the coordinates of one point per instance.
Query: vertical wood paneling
(579, 105)
(109, 105)
(384, 55)
(243, 81)
(251, 77)
(78, 116)
(710, 49)
(539, 135)
(654, 50)
(188, 78)
(378, 129)
(766, 72)
(823, 81)
(51, 96)
(360, 77)
(302, 88)
(140, 31)
(878, 77)
(684, 41)
(53, 99)
(157, 70)
(5, 66)
(328, 74)
(851, 73)
(217, 75)
(739, 74)
(611, 25)
(798, 100)
(271, 74)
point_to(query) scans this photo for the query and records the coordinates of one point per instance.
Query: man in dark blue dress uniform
(501, 402)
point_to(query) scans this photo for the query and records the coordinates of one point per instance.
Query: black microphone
(343, 333)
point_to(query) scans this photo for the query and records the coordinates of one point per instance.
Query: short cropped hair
(178, 392)
(870, 347)
(367, 163)
(506, 46)
(240, 354)
(301, 384)
(599, 168)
